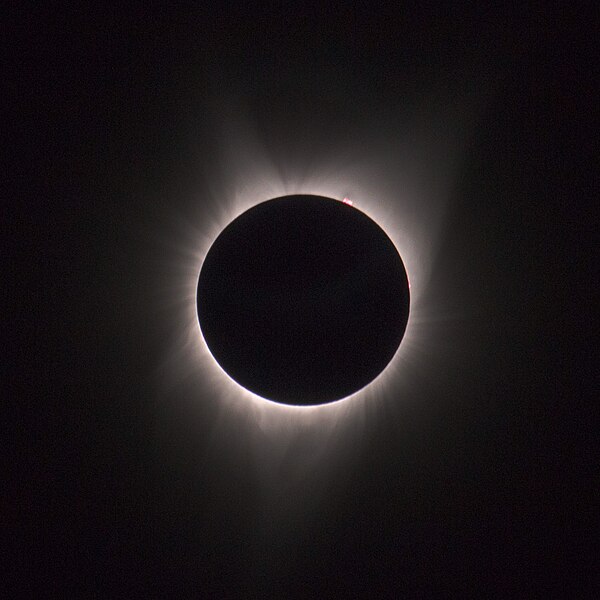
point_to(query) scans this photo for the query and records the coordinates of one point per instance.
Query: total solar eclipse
(303, 300)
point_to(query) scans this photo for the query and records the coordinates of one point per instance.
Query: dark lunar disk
(303, 300)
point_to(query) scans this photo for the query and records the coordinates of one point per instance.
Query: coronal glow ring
(387, 213)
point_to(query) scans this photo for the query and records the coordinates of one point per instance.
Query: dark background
(486, 491)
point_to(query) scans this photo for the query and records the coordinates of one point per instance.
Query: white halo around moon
(403, 189)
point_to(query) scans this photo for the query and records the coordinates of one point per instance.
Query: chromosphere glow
(303, 300)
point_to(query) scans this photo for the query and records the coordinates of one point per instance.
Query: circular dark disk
(303, 300)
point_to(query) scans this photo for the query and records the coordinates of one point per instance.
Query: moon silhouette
(303, 300)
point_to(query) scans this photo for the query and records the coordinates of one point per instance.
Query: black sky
(480, 485)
